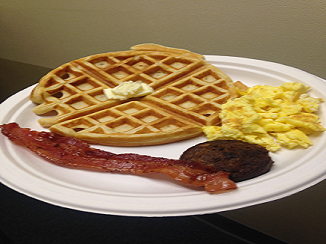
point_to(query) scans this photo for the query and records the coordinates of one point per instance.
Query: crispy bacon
(74, 153)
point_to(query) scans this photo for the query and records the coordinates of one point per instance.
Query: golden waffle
(188, 93)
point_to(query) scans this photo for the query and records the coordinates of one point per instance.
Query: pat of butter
(127, 90)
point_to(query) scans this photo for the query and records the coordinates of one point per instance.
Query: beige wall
(49, 33)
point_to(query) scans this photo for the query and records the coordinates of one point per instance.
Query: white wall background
(49, 33)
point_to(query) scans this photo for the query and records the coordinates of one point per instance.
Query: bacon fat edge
(74, 153)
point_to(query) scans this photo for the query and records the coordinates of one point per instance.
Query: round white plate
(156, 194)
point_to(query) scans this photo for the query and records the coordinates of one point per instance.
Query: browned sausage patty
(243, 160)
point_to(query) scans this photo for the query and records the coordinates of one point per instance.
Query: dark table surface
(27, 220)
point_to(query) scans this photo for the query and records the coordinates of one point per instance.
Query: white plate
(157, 195)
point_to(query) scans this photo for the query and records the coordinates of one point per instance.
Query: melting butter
(128, 89)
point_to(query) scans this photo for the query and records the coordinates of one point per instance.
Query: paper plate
(156, 194)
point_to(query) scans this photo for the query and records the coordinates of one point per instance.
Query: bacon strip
(74, 153)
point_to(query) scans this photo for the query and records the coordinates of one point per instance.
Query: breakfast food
(270, 116)
(74, 153)
(187, 94)
(241, 159)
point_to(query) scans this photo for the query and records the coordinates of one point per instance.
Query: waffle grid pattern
(188, 95)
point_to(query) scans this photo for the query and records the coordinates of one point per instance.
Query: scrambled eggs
(269, 116)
